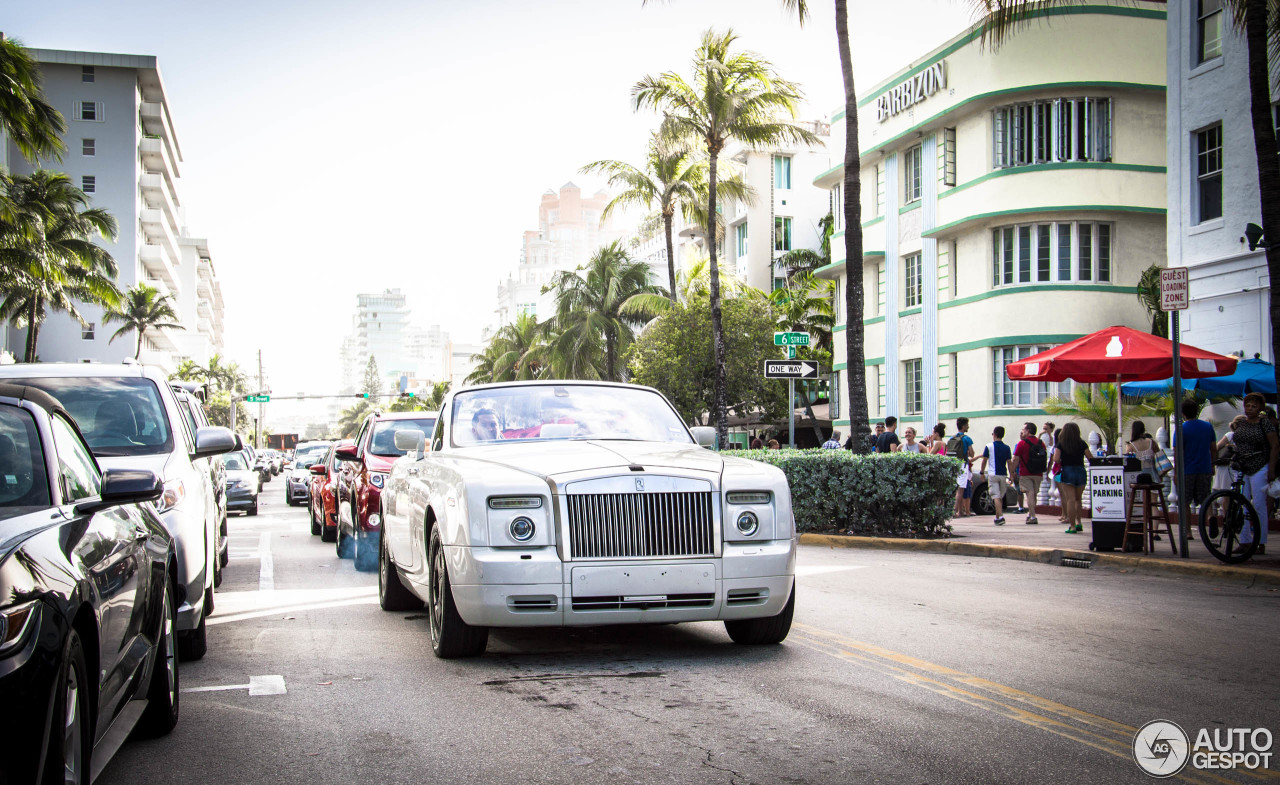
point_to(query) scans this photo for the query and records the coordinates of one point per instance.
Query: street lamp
(1253, 233)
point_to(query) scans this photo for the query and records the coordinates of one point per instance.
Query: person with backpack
(1028, 464)
(960, 447)
(995, 463)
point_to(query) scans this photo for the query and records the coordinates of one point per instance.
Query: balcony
(157, 264)
(160, 286)
(159, 231)
(155, 120)
(204, 290)
(158, 193)
(157, 156)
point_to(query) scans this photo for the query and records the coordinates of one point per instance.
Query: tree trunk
(855, 371)
(720, 406)
(33, 330)
(671, 258)
(138, 353)
(808, 409)
(1264, 144)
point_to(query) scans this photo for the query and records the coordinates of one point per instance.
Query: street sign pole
(1175, 296)
(791, 413)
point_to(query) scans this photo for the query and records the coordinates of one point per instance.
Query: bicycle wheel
(1223, 517)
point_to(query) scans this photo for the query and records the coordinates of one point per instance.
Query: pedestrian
(939, 444)
(1028, 463)
(960, 447)
(1257, 452)
(909, 443)
(833, 443)
(1047, 432)
(1070, 452)
(1143, 447)
(888, 440)
(773, 445)
(1199, 449)
(756, 442)
(1226, 454)
(995, 464)
(875, 437)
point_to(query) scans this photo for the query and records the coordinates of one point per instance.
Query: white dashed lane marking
(258, 685)
(267, 573)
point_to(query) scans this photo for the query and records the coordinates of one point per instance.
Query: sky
(333, 147)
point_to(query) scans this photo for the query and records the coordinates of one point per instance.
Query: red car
(359, 491)
(323, 491)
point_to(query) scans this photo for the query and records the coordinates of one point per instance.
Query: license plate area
(644, 580)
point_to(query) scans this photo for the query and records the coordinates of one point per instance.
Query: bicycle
(1223, 517)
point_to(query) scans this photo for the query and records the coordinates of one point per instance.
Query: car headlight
(748, 523)
(522, 529)
(174, 493)
(515, 502)
(748, 497)
(14, 623)
(377, 480)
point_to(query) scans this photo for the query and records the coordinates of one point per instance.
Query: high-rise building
(569, 232)
(382, 328)
(122, 150)
(1213, 181)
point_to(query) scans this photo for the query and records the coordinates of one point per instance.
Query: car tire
(345, 546)
(70, 736)
(392, 594)
(328, 533)
(193, 644)
(981, 502)
(217, 578)
(451, 637)
(365, 556)
(161, 714)
(254, 509)
(770, 630)
(316, 526)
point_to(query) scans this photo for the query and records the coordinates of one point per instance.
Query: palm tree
(225, 376)
(804, 305)
(733, 96)
(1149, 296)
(673, 179)
(598, 308)
(30, 122)
(47, 257)
(144, 308)
(1096, 403)
(518, 351)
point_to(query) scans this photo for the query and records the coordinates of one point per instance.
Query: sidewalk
(1048, 543)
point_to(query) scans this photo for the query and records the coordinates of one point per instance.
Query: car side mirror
(346, 452)
(124, 486)
(317, 468)
(704, 435)
(410, 440)
(213, 440)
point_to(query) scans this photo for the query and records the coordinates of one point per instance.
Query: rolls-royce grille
(640, 525)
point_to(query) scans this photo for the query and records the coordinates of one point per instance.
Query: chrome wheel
(170, 650)
(436, 604)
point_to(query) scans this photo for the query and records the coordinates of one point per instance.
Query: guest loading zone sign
(911, 92)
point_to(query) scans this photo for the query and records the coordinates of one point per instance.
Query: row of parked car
(113, 535)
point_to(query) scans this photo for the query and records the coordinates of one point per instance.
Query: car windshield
(235, 463)
(24, 484)
(118, 416)
(309, 456)
(570, 411)
(383, 441)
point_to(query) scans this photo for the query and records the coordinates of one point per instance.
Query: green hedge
(895, 495)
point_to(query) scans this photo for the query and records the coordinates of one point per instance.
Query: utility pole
(257, 425)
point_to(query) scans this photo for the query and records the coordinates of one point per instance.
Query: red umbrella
(1118, 354)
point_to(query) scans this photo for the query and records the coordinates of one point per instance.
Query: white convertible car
(545, 504)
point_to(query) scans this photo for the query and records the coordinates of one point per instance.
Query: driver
(484, 425)
(116, 418)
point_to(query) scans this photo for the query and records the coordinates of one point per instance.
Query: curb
(1250, 575)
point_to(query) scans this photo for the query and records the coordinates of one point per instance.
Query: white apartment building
(569, 232)
(786, 213)
(1213, 181)
(123, 151)
(382, 328)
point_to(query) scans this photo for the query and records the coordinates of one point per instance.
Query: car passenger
(484, 425)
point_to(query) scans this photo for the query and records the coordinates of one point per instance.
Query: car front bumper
(498, 588)
(297, 490)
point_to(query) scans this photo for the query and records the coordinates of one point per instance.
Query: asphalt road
(901, 668)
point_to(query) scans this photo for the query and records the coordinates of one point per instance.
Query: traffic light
(407, 394)
(362, 395)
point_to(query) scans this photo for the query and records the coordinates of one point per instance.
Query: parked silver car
(131, 418)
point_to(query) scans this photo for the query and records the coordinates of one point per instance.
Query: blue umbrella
(1250, 376)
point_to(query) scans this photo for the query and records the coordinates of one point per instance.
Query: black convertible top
(37, 396)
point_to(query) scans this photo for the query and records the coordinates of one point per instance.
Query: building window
(880, 395)
(1007, 392)
(911, 175)
(88, 147)
(879, 190)
(880, 296)
(837, 209)
(833, 399)
(913, 402)
(86, 73)
(782, 172)
(948, 156)
(781, 234)
(1030, 253)
(89, 110)
(524, 309)
(86, 332)
(1055, 129)
(1209, 173)
(914, 276)
(1209, 30)
(742, 239)
(89, 183)
(837, 302)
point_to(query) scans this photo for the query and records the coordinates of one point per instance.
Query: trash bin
(1110, 479)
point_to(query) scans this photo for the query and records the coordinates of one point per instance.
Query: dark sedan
(88, 592)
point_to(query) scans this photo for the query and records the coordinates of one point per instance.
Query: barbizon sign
(912, 91)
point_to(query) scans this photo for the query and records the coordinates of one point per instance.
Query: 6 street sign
(790, 369)
(257, 398)
(791, 339)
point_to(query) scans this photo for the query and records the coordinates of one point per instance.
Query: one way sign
(790, 369)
